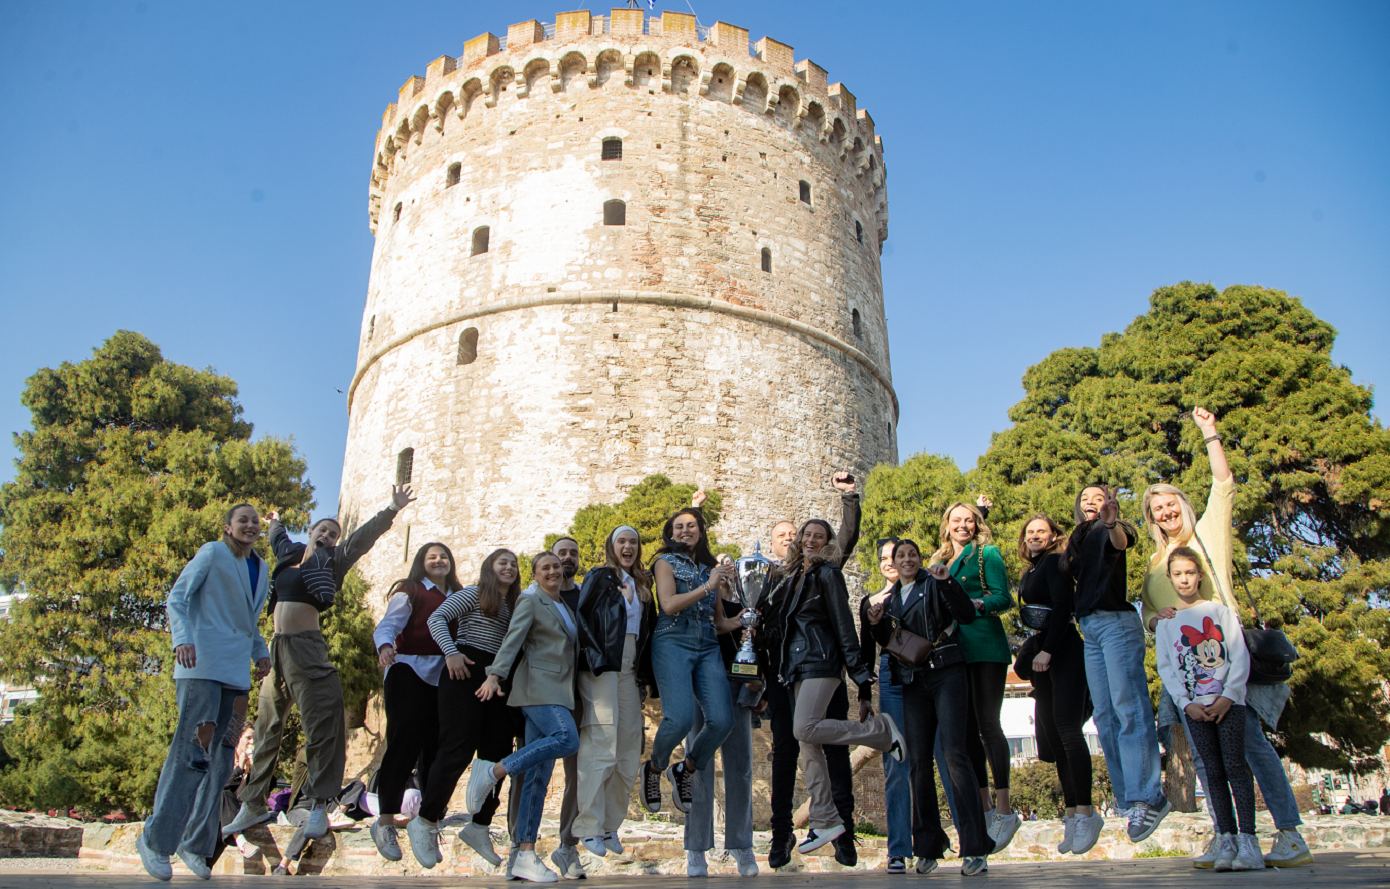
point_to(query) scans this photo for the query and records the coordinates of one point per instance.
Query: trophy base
(743, 672)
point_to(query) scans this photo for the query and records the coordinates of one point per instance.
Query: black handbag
(1271, 653)
(1034, 617)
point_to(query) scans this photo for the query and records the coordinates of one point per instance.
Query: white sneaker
(1207, 860)
(156, 865)
(511, 861)
(1085, 832)
(747, 862)
(1001, 829)
(424, 841)
(595, 846)
(1248, 855)
(384, 835)
(926, 865)
(566, 861)
(695, 865)
(480, 784)
(529, 867)
(610, 840)
(1225, 852)
(196, 863)
(1144, 820)
(1068, 827)
(247, 848)
(248, 816)
(969, 867)
(317, 825)
(898, 748)
(817, 838)
(479, 839)
(1289, 850)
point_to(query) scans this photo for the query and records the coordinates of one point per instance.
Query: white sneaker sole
(807, 846)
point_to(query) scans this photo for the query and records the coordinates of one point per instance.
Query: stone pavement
(1334, 869)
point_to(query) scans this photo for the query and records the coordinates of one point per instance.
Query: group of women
(506, 681)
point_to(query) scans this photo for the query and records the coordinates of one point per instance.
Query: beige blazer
(546, 672)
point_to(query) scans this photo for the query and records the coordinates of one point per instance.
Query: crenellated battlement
(667, 54)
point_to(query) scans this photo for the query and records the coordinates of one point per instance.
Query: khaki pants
(812, 729)
(610, 745)
(302, 675)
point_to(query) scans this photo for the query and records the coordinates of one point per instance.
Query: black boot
(845, 853)
(780, 852)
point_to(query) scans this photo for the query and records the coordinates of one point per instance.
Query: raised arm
(1206, 422)
(346, 554)
(849, 515)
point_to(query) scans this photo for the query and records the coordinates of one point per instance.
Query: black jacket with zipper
(811, 633)
(603, 626)
(934, 607)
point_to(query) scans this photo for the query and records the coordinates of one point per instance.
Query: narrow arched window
(805, 192)
(614, 213)
(371, 327)
(857, 324)
(468, 346)
(405, 466)
(612, 149)
(767, 260)
(858, 231)
(396, 214)
(480, 238)
(455, 170)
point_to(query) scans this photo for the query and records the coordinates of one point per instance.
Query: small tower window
(480, 237)
(396, 214)
(455, 170)
(371, 328)
(805, 192)
(854, 320)
(858, 231)
(612, 149)
(767, 260)
(614, 213)
(405, 466)
(468, 346)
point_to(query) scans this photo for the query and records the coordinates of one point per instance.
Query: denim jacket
(689, 576)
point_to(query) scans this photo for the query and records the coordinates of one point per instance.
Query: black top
(1047, 584)
(1098, 567)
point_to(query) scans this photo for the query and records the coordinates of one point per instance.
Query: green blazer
(546, 673)
(983, 639)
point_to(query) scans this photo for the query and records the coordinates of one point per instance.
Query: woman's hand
(979, 605)
(984, 502)
(866, 710)
(720, 575)
(386, 655)
(1042, 662)
(1167, 613)
(1216, 710)
(186, 655)
(401, 496)
(939, 571)
(458, 665)
(1205, 420)
(272, 516)
(1110, 509)
(699, 498)
(262, 668)
(875, 613)
(489, 689)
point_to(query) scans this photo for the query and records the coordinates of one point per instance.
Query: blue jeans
(690, 677)
(188, 801)
(736, 756)
(1123, 715)
(1268, 770)
(550, 735)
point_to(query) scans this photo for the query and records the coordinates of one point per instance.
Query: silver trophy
(750, 578)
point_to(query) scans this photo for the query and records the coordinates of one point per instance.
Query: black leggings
(1060, 712)
(985, 739)
(412, 734)
(467, 727)
(1222, 748)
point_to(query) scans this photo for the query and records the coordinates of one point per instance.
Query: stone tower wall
(573, 358)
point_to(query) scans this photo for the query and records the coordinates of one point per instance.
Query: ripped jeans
(186, 805)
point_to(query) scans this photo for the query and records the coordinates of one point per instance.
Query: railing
(501, 43)
(702, 33)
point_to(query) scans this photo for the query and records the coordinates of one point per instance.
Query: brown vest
(416, 638)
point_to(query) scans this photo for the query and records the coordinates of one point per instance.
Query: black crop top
(290, 587)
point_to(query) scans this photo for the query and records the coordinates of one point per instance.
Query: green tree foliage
(1312, 516)
(130, 466)
(1034, 786)
(907, 501)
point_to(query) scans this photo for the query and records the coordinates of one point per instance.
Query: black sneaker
(651, 787)
(682, 778)
(779, 854)
(845, 853)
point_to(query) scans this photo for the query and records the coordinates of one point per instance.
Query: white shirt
(634, 604)
(906, 592)
(398, 610)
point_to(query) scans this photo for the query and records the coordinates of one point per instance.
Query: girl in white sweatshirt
(1204, 664)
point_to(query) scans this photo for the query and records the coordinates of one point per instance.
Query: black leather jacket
(934, 607)
(603, 623)
(810, 630)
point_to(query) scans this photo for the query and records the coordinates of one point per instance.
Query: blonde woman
(1173, 523)
(616, 614)
(977, 565)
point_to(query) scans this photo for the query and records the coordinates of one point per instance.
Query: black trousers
(786, 750)
(412, 734)
(935, 705)
(468, 727)
(985, 735)
(1062, 708)
(1222, 748)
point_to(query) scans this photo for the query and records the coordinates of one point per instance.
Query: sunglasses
(883, 540)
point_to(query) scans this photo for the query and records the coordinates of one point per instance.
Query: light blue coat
(213, 608)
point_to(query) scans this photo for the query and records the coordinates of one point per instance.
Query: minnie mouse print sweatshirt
(1202, 655)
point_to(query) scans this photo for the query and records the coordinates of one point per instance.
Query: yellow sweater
(1214, 532)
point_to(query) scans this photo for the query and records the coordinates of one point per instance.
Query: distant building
(12, 696)
(1017, 718)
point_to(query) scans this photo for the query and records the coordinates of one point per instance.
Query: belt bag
(1271, 653)
(1035, 617)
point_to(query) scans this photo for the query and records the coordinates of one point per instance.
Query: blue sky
(198, 172)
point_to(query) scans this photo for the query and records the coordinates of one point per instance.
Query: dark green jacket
(983, 639)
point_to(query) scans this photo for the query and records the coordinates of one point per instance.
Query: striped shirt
(476, 629)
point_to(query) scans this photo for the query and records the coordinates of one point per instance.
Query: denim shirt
(689, 576)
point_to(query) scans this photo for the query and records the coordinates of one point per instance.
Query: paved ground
(1349, 869)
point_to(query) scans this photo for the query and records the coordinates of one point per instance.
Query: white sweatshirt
(1202, 655)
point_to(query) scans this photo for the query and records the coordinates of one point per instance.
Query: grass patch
(1159, 852)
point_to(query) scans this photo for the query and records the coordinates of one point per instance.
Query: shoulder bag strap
(1216, 583)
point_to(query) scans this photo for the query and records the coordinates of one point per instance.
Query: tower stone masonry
(610, 247)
